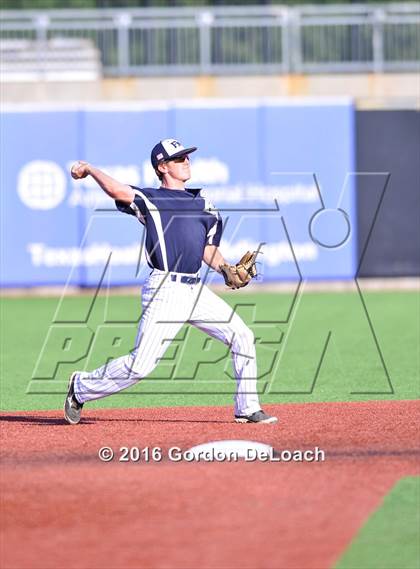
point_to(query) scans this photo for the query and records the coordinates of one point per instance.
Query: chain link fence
(229, 40)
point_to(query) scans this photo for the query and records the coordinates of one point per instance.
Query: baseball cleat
(257, 417)
(72, 408)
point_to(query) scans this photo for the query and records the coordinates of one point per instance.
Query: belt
(184, 279)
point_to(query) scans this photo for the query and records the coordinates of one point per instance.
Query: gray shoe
(257, 417)
(72, 408)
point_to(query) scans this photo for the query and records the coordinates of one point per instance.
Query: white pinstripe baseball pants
(167, 305)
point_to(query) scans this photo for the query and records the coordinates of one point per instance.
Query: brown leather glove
(239, 275)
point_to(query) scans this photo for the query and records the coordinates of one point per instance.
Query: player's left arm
(213, 257)
(235, 276)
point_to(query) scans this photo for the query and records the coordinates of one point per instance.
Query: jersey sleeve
(214, 234)
(137, 207)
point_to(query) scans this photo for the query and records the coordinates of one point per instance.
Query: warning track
(63, 507)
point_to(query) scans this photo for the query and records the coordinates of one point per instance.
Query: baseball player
(182, 230)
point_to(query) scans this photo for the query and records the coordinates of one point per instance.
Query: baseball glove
(239, 275)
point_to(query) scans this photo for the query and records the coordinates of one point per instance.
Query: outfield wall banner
(280, 174)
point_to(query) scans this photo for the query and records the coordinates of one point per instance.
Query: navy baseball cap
(168, 149)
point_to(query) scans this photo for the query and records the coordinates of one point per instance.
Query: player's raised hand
(79, 170)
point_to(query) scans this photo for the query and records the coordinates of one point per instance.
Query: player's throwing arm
(116, 190)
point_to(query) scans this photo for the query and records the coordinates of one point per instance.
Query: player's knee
(142, 367)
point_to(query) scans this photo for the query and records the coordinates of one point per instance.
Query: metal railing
(228, 40)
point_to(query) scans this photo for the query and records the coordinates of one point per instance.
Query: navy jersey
(179, 224)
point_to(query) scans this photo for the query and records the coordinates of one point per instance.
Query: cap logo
(171, 146)
(159, 156)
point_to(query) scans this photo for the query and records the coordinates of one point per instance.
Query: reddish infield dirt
(64, 508)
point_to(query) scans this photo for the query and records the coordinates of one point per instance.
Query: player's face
(179, 168)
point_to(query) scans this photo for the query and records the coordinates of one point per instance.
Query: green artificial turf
(319, 348)
(391, 537)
